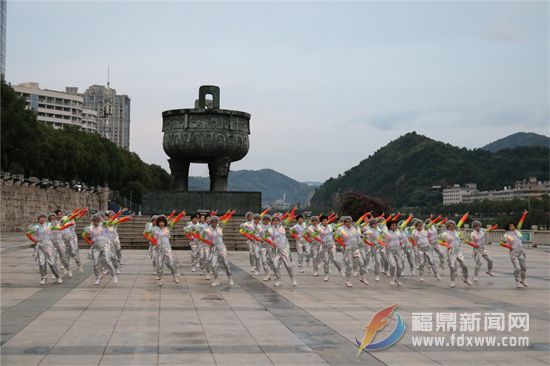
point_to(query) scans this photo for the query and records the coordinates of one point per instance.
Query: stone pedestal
(163, 202)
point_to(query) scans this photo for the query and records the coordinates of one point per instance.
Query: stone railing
(531, 237)
(23, 198)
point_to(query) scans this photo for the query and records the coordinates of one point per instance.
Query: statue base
(163, 202)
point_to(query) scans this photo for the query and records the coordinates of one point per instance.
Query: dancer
(391, 240)
(194, 227)
(111, 224)
(408, 247)
(148, 234)
(69, 235)
(328, 248)
(433, 235)
(161, 236)
(277, 238)
(266, 252)
(312, 235)
(479, 243)
(58, 243)
(371, 232)
(350, 237)
(451, 239)
(512, 241)
(302, 246)
(419, 238)
(41, 235)
(248, 226)
(204, 249)
(98, 237)
(213, 236)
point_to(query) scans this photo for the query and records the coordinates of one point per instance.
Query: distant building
(455, 194)
(113, 113)
(3, 21)
(57, 108)
(525, 189)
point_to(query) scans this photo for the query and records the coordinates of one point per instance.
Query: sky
(327, 83)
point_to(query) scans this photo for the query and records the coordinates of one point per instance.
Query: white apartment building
(456, 193)
(57, 108)
(525, 189)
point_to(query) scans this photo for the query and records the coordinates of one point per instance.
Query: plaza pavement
(135, 322)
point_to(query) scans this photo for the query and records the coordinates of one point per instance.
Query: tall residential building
(113, 113)
(3, 20)
(56, 108)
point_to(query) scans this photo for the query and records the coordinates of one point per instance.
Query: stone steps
(131, 234)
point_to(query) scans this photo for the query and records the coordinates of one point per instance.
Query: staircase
(131, 234)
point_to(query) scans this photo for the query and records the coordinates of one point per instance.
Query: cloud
(484, 115)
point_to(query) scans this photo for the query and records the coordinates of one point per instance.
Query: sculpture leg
(180, 171)
(219, 171)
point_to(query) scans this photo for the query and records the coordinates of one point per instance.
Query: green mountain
(272, 184)
(518, 139)
(403, 171)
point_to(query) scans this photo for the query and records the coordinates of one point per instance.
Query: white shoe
(70, 274)
(475, 279)
(364, 280)
(452, 284)
(518, 284)
(377, 278)
(192, 269)
(115, 279)
(413, 272)
(176, 279)
(490, 273)
(348, 284)
(315, 274)
(80, 269)
(158, 277)
(207, 277)
(277, 283)
(105, 272)
(43, 281)
(59, 280)
(392, 282)
(421, 278)
(160, 283)
(231, 283)
(468, 282)
(256, 273)
(326, 278)
(120, 262)
(294, 283)
(301, 270)
(97, 281)
(355, 274)
(524, 283)
(117, 271)
(398, 283)
(215, 283)
(438, 277)
(267, 278)
(343, 273)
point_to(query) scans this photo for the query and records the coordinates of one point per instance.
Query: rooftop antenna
(108, 78)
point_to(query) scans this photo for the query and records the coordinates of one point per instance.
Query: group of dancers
(350, 246)
(54, 239)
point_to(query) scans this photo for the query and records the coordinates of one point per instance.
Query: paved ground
(137, 323)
